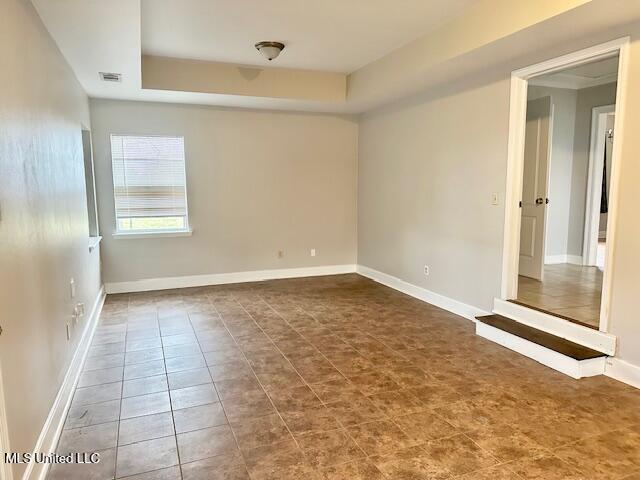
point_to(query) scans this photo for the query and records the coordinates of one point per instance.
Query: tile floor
(330, 378)
(572, 291)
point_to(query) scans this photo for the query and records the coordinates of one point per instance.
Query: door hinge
(520, 204)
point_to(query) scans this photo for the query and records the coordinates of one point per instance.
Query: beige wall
(43, 228)
(257, 182)
(178, 74)
(427, 167)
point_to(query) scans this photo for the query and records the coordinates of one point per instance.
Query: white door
(534, 187)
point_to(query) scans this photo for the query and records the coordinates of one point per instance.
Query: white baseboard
(459, 308)
(552, 359)
(52, 428)
(564, 258)
(623, 371)
(166, 283)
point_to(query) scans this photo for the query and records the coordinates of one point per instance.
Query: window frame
(186, 231)
(90, 188)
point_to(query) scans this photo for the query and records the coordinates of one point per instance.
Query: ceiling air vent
(110, 77)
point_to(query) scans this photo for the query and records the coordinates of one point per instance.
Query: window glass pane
(152, 223)
(149, 182)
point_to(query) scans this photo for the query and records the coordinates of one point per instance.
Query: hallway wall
(44, 226)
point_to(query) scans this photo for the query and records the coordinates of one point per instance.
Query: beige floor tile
(145, 405)
(221, 467)
(148, 427)
(88, 439)
(208, 442)
(103, 470)
(93, 414)
(201, 416)
(144, 386)
(97, 393)
(193, 396)
(146, 456)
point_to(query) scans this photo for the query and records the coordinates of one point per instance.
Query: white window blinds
(149, 182)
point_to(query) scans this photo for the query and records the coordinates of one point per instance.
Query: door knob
(539, 201)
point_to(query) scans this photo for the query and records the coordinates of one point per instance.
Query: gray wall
(257, 182)
(427, 167)
(43, 228)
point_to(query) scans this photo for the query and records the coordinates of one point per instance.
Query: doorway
(561, 184)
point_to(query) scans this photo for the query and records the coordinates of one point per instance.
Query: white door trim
(552, 359)
(517, 120)
(594, 183)
(586, 336)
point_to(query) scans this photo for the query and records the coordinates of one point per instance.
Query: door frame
(515, 161)
(594, 183)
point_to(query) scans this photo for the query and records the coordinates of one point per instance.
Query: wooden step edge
(544, 339)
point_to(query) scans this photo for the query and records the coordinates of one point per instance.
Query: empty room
(331, 240)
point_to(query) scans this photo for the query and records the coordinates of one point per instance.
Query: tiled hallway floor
(330, 378)
(571, 291)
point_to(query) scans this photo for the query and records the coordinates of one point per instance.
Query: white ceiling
(596, 69)
(328, 35)
(586, 75)
(105, 35)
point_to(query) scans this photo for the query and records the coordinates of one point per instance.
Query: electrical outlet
(426, 270)
(78, 312)
(280, 253)
(495, 198)
(72, 286)
(313, 252)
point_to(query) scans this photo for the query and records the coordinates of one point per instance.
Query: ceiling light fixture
(270, 50)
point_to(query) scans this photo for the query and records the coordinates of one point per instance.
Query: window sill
(156, 234)
(94, 242)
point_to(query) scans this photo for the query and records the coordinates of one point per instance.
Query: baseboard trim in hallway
(454, 306)
(622, 371)
(166, 283)
(52, 428)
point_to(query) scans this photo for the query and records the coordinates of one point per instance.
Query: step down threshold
(555, 352)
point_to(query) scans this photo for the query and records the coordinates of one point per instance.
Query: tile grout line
(386, 417)
(235, 438)
(344, 428)
(115, 466)
(166, 375)
(254, 373)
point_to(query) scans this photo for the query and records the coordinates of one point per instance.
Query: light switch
(495, 200)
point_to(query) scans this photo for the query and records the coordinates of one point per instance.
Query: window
(149, 184)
